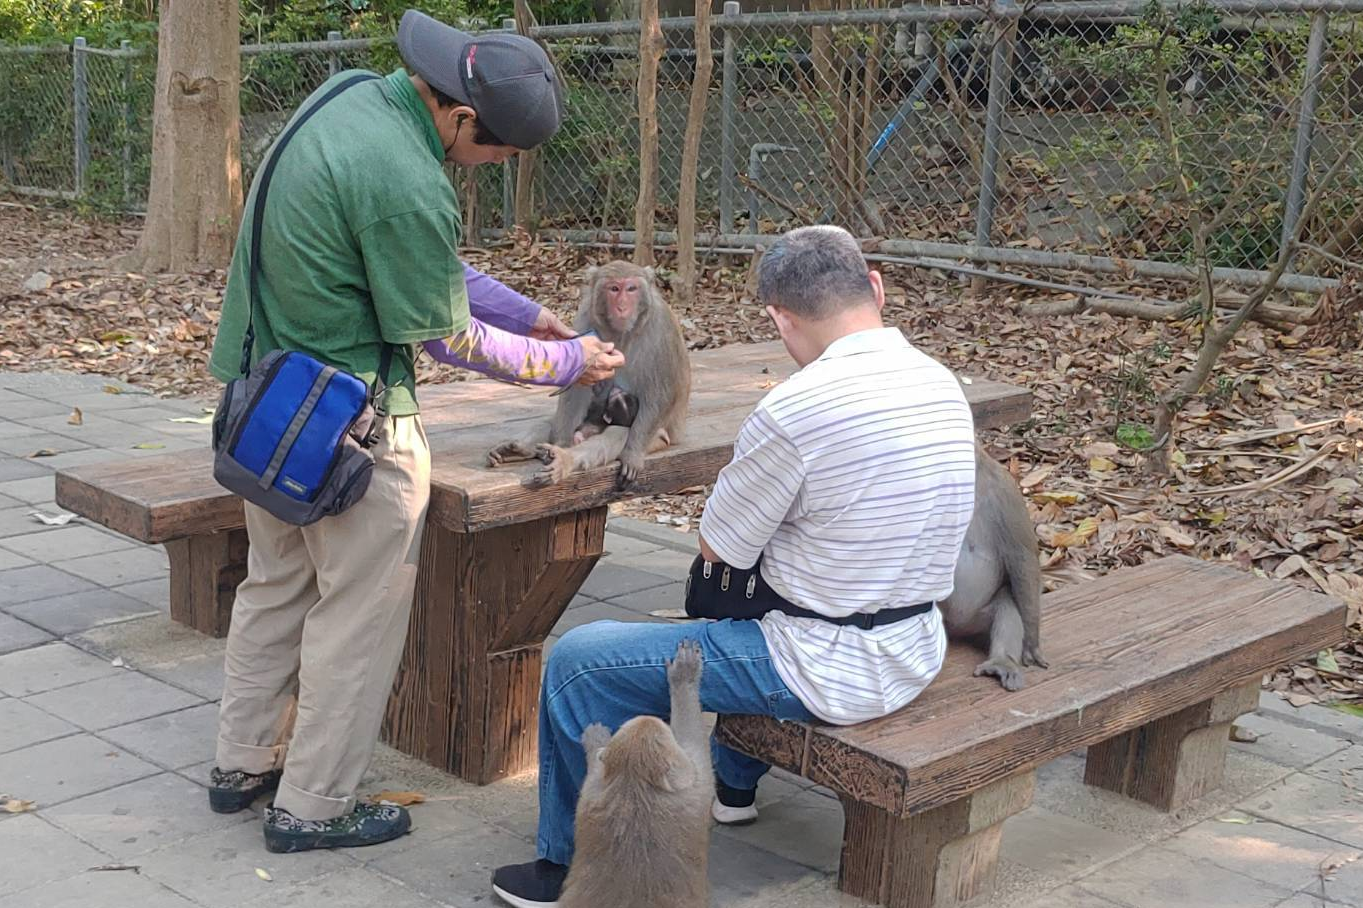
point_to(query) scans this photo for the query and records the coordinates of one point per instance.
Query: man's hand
(549, 327)
(602, 360)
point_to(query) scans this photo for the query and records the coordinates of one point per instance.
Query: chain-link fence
(1136, 137)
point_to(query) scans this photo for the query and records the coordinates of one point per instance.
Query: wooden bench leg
(944, 856)
(1174, 760)
(205, 572)
(466, 698)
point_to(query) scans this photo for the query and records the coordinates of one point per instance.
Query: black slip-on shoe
(367, 824)
(533, 885)
(231, 791)
(734, 806)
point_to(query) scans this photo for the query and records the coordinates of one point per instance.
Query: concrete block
(1314, 805)
(354, 887)
(68, 768)
(1059, 845)
(134, 819)
(117, 700)
(118, 568)
(53, 665)
(673, 595)
(73, 541)
(608, 580)
(1260, 849)
(78, 612)
(25, 725)
(39, 581)
(102, 889)
(174, 740)
(16, 635)
(30, 491)
(37, 852)
(218, 869)
(1158, 878)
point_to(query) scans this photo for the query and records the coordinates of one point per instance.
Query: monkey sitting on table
(645, 803)
(622, 305)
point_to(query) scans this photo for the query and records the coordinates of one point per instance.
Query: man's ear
(877, 289)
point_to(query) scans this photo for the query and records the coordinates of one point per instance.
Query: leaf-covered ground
(1267, 464)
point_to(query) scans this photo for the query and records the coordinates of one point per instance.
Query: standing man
(359, 244)
(852, 485)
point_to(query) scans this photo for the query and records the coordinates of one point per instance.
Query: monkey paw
(558, 463)
(631, 465)
(685, 668)
(595, 737)
(508, 452)
(1031, 655)
(1006, 670)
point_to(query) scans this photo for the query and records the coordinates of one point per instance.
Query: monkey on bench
(643, 816)
(997, 590)
(622, 305)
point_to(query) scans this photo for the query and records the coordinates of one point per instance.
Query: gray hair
(815, 272)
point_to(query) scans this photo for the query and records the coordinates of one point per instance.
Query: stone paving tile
(37, 852)
(10, 559)
(218, 869)
(72, 541)
(626, 548)
(153, 592)
(118, 568)
(1303, 900)
(669, 563)
(132, 820)
(739, 872)
(1073, 897)
(174, 740)
(1262, 850)
(671, 596)
(77, 612)
(1321, 718)
(354, 887)
(12, 468)
(1159, 878)
(68, 768)
(42, 668)
(665, 536)
(25, 725)
(108, 702)
(594, 611)
(25, 446)
(98, 402)
(1344, 885)
(6, 502)
(1312, 804)
(202, 675)
(1287, 744)
(1345, 767)
(33, 408)
(1059, 845)
(10, 428)
(102, 889)
(80, 458)
(456, 869)
(607, 580)
(38, 581)
(16, 635)
(30, 491)
(804, 828)
(16, 522)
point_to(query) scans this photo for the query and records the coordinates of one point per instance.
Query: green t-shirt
(360, 241)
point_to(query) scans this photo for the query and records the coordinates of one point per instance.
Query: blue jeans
(612, 671)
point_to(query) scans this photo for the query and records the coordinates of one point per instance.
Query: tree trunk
(194, 203)
(650, 52)
(686, 193)
(523, 206)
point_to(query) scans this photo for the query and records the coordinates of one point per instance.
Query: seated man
(853, 482)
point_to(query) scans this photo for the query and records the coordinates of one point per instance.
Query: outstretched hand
(602, 360)
(549, 327)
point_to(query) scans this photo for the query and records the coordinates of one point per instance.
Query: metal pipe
(1004, 255)
(299, 47)
(1000, 81)
(333, 64)
(728, 90)
(80, 103)
(128, 122)
(756, 154)
(1306, 126)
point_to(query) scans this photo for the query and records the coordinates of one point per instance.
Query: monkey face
(620, 291)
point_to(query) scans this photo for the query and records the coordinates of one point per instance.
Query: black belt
(718, 590)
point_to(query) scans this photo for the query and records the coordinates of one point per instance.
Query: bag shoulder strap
(258, 221)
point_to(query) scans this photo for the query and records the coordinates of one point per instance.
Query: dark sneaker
(734, 806)
(231, 791)
(533, 885)
(367, 824)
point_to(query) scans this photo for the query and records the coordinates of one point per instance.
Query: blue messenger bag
(293, 435)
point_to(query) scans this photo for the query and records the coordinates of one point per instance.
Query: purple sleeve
(493, 303)
(502, 354)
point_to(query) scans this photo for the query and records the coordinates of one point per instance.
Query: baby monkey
(643, 817)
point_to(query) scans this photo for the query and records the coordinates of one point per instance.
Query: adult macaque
(643, 816)
(998, 577)
(621, 303)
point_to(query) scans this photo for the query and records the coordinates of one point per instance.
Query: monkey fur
(997, 592)
(643, 816)
(622, 304)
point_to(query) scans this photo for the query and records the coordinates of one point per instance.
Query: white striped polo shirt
(855, 480)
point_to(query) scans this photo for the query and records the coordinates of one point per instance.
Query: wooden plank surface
(156, 499)
(1140, 643)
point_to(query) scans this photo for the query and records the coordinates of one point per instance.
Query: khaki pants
(320, 620)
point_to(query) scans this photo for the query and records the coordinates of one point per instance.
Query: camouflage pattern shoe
(231, 791)
(367, 824)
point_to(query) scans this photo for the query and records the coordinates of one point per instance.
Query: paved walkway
(107, 723)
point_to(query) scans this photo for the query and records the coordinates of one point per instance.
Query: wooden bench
(1149, 665)
(500, 561)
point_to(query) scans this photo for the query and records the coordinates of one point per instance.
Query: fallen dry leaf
(264, 875)
(15, 805)
(400, 798)
(77, 418)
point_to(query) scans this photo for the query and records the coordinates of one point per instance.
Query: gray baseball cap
(507, 79)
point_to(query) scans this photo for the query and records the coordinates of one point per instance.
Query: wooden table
(500, 561)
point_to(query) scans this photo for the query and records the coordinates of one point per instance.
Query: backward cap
(507, 79)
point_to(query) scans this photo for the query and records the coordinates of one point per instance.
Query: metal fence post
(125, 48)
(80, 89)
(1306, 127)
(509, 167)
(728, 89)
(1000, 81)
(333, 62)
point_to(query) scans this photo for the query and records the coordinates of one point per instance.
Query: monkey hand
(1031, 655)
(631, 465)
(1005, 669)
(595, 737)
(508, 452)
(684, 670)
(558, 463)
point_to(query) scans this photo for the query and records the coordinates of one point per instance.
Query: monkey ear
(652, 274)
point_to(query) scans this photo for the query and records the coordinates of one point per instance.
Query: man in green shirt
(359, 249)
